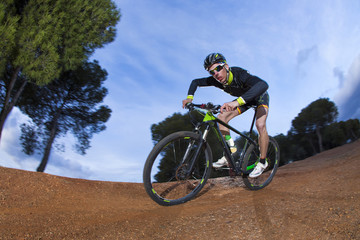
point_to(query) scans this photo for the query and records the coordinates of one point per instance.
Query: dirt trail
(317, 198)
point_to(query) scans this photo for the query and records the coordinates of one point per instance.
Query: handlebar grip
(209, 106)
(189, 106)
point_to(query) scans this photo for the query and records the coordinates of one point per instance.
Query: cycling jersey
(240, 84)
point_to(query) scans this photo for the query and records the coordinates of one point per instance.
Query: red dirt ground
(317, 198)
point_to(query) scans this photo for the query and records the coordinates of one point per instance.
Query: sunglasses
(217, 69)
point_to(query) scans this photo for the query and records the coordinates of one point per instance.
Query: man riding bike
(249, 89)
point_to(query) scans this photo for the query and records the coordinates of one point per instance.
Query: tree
(334, 135)
(352, 129)
(40, 39)
(69, 103)
(285, 149)
(8, 22)
(312, 119)
(339, 133)
(176, 122)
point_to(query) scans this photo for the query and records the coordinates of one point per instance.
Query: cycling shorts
(261, 101)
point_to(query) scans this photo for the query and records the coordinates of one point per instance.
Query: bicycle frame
(211, 121)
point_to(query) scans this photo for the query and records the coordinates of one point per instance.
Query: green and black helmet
(213, 58)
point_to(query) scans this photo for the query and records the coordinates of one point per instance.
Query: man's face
(218, 71)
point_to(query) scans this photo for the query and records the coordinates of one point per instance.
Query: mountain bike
(180, 164)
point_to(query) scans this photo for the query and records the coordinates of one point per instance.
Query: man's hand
(186, 101)
(230, 106)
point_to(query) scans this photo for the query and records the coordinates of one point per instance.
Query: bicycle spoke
(250, 161)
(171, 179)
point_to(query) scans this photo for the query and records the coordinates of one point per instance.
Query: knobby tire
(167, 177)
(252, 157)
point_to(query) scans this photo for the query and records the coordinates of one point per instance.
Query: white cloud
(348, 96)
(352, 79)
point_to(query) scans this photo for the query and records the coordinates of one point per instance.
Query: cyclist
(248, 89)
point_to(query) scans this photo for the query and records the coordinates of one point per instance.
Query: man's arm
(200, 82)
(259, 86)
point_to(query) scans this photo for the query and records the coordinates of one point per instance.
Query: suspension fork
(188, 149)
(198, 149)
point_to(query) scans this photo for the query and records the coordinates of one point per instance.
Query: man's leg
(225, 117)
(261, 116)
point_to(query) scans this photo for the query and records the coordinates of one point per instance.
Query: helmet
(213, 58)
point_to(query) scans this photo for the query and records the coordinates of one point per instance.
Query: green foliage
(339, 133)
(307, 126)
(351, 128)
(319, 113)
(285, 148)
(68, 104)
(8, 24)
(316, 124)
(176, 122)
(28, 138)
(44, 37)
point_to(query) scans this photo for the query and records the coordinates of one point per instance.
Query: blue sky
(304, 49)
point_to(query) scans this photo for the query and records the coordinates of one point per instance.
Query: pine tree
(69, 104)
(43, 38)
(312, 119)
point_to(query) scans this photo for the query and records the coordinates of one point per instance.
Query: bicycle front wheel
(173, 174)
(251, 158)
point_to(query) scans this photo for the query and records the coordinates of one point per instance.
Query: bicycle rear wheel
(167, 176)
(251, 158)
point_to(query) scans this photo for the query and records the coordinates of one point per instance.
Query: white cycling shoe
(220, 163)
(259, 169)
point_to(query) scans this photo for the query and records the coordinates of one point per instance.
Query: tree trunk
(352, 134)
(312, 145)
(48, 147)
(318, 133)
(9, 102)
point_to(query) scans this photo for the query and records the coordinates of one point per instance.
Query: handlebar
(205, 106)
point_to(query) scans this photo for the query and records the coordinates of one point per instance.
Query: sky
(304, 49)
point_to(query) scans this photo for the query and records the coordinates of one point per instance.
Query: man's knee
(261, 126)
